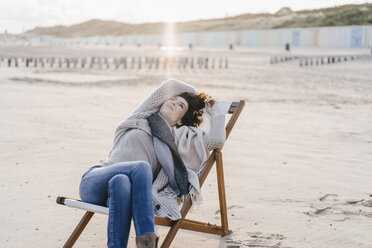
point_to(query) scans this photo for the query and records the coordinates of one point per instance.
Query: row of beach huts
(323, 37)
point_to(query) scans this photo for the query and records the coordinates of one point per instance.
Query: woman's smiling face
(174, 109)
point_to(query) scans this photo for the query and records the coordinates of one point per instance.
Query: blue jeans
(126, 189)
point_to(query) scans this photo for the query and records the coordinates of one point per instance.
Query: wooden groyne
(304, 61)
(118, 63)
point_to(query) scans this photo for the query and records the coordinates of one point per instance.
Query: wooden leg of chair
(177, 224)
(171, 234)
(221, 192)
(79, 229)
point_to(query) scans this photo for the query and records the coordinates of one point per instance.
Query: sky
(17, 16)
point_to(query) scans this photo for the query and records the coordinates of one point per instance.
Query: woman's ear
(179, 123)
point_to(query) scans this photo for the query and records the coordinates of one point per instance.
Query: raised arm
(217, 133)
(167, 89)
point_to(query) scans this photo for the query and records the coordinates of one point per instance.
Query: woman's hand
(209, 102)
(208, 105)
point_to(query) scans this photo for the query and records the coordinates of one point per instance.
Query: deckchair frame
(182, 223)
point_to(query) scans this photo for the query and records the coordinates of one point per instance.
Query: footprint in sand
(255, 239)
(229, 208)
(326, 196)
(342, 210)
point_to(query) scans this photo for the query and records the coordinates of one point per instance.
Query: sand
(297, 164)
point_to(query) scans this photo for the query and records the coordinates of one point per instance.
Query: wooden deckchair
(183, 223)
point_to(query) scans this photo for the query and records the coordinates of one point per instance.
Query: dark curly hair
(193, 116)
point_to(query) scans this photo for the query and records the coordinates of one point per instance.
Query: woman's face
(174, 109)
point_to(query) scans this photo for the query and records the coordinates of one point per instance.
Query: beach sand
(298, 164)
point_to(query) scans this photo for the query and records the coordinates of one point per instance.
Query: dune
(352, 14)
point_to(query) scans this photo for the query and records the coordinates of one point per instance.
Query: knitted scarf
(160, 130)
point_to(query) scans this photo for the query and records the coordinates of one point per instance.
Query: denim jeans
(126, 189)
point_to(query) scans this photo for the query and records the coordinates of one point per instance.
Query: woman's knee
(122, 181)
(119, 190)
(143, 169)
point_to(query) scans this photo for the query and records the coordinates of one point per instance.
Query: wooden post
(83, 62)
(116, 63)
(124, 63)
(106, 61)
(221, 192)
(184, 62)
(157, 62)
(139, 62)
(91, 62)
(152, 62)
(149, 62)
(200, 62)
(133, 62)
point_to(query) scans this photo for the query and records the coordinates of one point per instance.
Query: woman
(158, 145)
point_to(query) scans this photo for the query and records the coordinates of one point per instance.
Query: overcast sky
(21, 15)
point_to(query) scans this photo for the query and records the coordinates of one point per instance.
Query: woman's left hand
(209, 104)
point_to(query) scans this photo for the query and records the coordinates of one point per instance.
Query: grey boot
(149, 240)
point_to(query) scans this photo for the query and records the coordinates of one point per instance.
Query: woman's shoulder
(138, 133)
